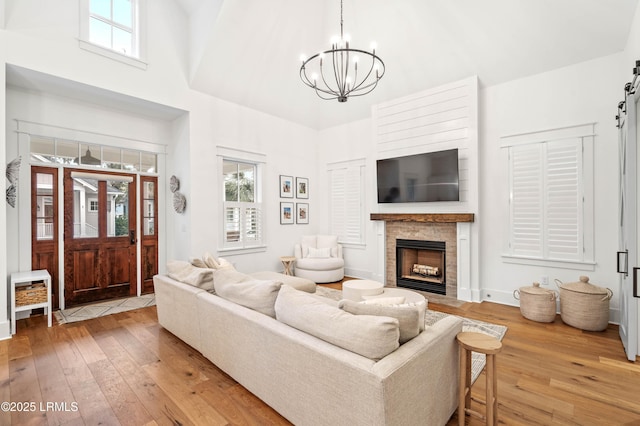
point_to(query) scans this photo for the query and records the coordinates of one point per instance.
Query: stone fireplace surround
(430, 227)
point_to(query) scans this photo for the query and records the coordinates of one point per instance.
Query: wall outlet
(544, 280)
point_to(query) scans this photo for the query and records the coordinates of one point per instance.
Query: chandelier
(344, 76)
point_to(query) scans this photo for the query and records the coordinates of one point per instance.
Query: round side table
(356, 289)
(287, 262)
(490, 346)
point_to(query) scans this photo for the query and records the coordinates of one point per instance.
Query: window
(242, 222)
(114, 26)
(550, 195)
(93, 205)
(346, 212)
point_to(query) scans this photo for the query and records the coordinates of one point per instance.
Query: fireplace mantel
(424, 217)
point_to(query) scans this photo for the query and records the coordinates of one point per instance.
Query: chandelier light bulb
(374, 46)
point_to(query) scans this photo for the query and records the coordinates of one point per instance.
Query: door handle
(132, 237)
(623, 267)
(635, 282)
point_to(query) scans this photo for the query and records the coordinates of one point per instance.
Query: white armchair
(319, 258)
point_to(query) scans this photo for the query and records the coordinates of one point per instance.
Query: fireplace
(421, 265)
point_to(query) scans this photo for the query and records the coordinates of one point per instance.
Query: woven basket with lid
(536, 303)
(584, 305)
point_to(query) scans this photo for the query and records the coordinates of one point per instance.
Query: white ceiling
(247, 51)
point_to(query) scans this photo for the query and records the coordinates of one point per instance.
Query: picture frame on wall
(286, 186)
(286, 213)
(302, 213)
(302, 187)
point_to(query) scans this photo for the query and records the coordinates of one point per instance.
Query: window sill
(231, 251)
(562, 264)
(112, 54)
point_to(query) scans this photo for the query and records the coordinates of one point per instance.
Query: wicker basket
(537, 304)
(31, 294)
(584, 305)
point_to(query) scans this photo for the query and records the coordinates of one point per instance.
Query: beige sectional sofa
(308, 380)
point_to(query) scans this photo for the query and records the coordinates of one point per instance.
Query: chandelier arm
(304, 78)
(336, 71)
(329, 89)
(364, 80)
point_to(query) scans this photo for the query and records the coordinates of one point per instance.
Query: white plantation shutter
(242, 224)
(526, 195)
(547, 205)
(346, 213)
(563, 200)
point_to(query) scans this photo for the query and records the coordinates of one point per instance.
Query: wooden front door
(149, 230)
(44, 224)
(99, 236)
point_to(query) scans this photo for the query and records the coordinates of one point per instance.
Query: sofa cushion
(259, 295)
(408, 316)
(185, 272)
(370, 336)
(314, 264)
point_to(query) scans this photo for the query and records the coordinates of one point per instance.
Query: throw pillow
(259, 295)
(210, 261)
(408, 316)
(230, 276)
(321, 253)
(370, 336)
(185, 272)
(198, 263)
(224, 264)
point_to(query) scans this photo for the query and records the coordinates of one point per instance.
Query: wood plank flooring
(126, 369)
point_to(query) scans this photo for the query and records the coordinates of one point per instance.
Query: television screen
(428, 177)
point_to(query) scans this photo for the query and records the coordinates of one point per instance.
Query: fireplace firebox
(420, 265)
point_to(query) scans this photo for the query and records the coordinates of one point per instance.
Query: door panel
(149, 238)
(44, 224)
(628, 228)
(100, 256)
(86, 269)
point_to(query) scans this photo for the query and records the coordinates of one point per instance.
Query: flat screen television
(428, 177)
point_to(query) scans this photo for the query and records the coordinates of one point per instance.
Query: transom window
(59, 151)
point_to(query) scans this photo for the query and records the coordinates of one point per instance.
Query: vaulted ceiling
(247, 51)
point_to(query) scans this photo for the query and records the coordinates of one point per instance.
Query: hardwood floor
(126, 369)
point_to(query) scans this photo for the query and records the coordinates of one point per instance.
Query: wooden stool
(478, 342)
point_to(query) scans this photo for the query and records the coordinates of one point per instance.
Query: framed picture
(286, 186)
(302, 187)
(302, 213)
(286, 213)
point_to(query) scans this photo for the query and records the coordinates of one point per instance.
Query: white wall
(579, 94)
(350, 142)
